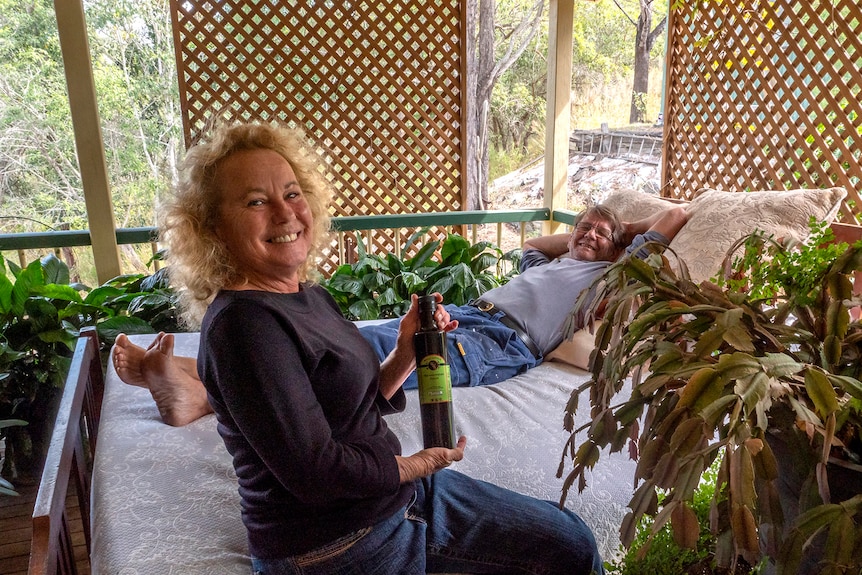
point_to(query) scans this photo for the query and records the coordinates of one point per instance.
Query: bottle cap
(427, 306)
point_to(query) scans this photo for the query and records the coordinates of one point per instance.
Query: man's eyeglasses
(605, 233)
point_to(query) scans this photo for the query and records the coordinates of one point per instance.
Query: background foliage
(135, 76)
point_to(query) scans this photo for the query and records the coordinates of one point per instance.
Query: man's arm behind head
(666, 222)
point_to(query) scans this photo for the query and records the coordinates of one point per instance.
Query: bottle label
(434, 381)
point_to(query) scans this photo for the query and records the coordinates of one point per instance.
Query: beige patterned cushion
(717, 219)
(576, 351)
(632, 205)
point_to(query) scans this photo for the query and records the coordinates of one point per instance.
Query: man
(505, 332)
(512, 327)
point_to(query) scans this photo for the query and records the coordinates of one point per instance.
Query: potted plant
(736, 370)
(41, 313)
(380, 286)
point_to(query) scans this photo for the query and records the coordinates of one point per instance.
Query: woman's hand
(410, 322)
(428, 461)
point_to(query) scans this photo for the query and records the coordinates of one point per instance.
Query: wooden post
(72, 29)
(558, 121)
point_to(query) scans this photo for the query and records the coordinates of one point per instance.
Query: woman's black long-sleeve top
(295, 390)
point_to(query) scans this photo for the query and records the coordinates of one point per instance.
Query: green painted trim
(565, 216)
(71, 238)
(388, 221)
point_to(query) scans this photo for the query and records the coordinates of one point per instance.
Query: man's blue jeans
(457, 525)
(482, 351)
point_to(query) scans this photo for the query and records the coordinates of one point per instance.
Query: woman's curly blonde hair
(199, 263)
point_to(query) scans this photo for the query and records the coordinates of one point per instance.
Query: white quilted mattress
(165, 499)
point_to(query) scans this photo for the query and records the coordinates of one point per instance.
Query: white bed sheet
(165, 499)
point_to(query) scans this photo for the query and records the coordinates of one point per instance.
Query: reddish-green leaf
(686, 528)
(745, 529)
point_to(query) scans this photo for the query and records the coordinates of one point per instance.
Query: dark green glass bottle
(435, 383)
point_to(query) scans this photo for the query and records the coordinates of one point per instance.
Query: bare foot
(129, 357)
(179, 394)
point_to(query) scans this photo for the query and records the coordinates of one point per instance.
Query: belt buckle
(484, 306)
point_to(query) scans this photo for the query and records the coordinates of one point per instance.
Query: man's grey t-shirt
(543, 295)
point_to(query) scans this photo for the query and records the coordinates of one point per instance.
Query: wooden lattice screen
(764, 95)
(379, 85)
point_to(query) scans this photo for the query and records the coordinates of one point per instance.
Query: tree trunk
(481, 82)
(640, 85)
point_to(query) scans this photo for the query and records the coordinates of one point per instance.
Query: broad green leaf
(376, 281)
(387, 297)
(99, 295)
(461, 275)
(423, 255)
(28, 279)
(5, 295)
(347, 284)
(148, 301)
(110, 328)
(365, 309)
(413, 282)
(394, 265)
(59, 292)
(483, 262)
(56, 272)
(456, 245)
(442, 285)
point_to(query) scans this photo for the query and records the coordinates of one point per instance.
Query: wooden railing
(56, 240)
(69, 462)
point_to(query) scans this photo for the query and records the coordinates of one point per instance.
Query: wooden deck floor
(16, 529)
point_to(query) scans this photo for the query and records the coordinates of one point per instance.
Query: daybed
(164, 499)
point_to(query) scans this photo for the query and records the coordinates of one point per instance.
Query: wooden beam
(72, 29)
(558, 119)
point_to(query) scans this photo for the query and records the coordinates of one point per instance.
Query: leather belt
(491, 309)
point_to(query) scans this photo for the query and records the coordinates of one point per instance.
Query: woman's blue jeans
(482, 351)
(457, 524)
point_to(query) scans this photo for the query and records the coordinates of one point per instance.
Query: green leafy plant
(41, 314)
(730, 373)
(380, 286)
(6, 488)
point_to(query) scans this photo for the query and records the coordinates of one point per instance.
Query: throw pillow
(717, 219)
(576, 351)
(632, 205)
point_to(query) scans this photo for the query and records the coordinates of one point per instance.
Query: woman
(299, 393)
